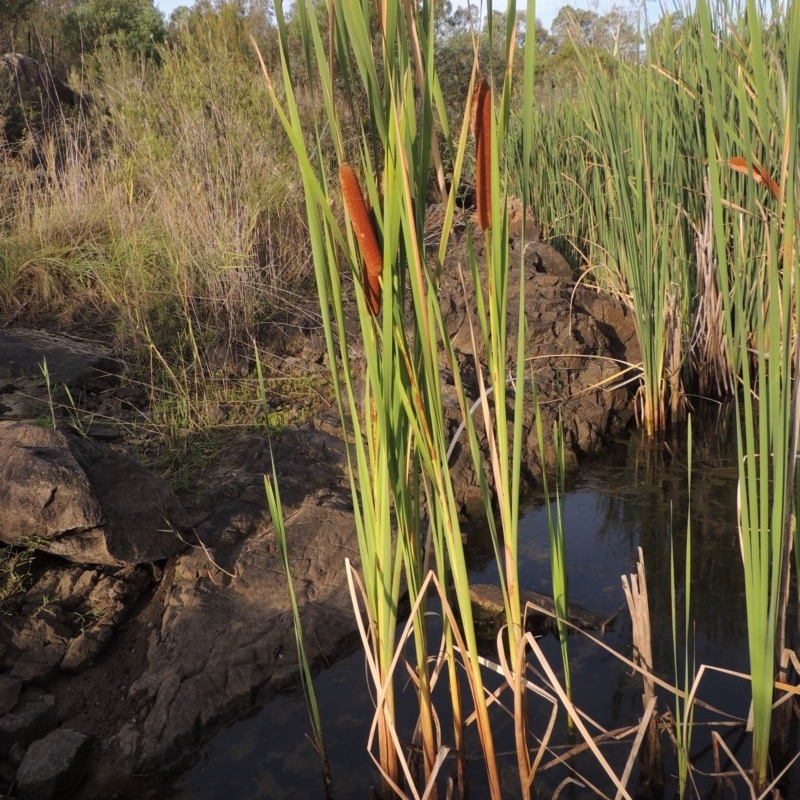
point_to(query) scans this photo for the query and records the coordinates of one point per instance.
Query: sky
(545, 9)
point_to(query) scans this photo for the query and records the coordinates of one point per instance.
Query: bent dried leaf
(760, 175)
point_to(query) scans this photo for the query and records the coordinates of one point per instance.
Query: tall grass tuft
(275, 506)
(378, 297)
(752, 112)
(156, 219)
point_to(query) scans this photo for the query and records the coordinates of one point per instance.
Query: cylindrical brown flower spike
(482, 131)
(365, 235)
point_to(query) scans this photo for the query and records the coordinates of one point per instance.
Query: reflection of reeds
(482, 131)
(365, 234)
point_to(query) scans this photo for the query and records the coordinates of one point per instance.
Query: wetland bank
(633, 248)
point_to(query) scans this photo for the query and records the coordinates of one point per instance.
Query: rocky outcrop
(83, 501)
(233, 590)
(30, 93)
(37, 368)
(579, 345)
(32, 717)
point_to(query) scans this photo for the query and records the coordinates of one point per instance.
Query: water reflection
(635, 496)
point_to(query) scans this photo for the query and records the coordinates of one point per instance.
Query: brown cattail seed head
(365, 235)
(481, 119)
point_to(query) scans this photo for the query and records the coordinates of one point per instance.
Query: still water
(636, 496)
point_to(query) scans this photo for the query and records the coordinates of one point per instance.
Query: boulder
(83, 501)
(85, 368)
(33, 716)
(578, 345)
(30, 92)
(53, 766)
(10, 689)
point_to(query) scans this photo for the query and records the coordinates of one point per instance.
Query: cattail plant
(398, 448)
(752, 105)
(757, 172)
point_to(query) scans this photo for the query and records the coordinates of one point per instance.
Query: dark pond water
(634, 497)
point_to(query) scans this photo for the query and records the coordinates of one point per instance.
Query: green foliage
(136, 27)
(12, 14)
(621, 174)
(168, 218)
(752, 112)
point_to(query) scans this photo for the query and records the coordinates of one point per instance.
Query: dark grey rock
(81, 366)
(53, 765)
(33, 717)
(44, 493)
(10, 689)
(38, 666)
(85, 647)
(217, 650)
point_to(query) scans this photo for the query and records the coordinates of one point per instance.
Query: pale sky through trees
(545, 9)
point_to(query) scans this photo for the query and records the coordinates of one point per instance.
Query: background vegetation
(164, 209)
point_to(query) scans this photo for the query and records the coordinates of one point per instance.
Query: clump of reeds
(639, 156)
(399, 445)
(754, 109)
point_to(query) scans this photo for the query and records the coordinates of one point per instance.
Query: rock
(43, 490)
(83, 501)
(33, 717)
(82, 367)
(85, 647)
(39, 666)
(144, 518)
(29, 89)
(487, 604)
(53, 766)
(547, 259)
(10, 689)
(70, 614)
(32, 644)
(69, 585)
(576, 357)
(225, 638)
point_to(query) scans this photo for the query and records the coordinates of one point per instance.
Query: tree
(574, 24)
(136, 26)
(12, 13)
(544, 42)
(458, 21)
(616, 31)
